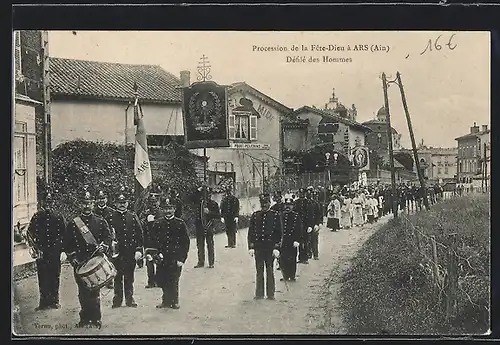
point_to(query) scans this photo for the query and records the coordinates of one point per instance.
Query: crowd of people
(285, 230)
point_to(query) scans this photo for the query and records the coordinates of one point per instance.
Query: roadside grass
(388, 288)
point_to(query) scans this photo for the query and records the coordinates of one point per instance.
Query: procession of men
(113, 241)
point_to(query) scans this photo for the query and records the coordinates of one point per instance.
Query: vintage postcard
(239, 183)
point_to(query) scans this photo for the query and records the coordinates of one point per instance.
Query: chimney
(485, 128)
(185, 78)
(474, 129)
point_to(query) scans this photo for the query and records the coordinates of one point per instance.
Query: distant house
(471, 152)
(93, 101)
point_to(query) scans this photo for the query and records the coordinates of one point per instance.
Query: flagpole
(137, 185)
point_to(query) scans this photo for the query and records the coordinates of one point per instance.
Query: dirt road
(213, 301)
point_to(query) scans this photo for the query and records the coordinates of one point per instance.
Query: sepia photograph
(169, 183)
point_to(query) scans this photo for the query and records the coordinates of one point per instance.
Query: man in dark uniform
(292, 235)
(312, 196)
(103, 210)
(280, 208)
(305, 210)
(152, 213)
(129, 239)
(265, 232)
(230, 211)
(204, 224)
(278, 202)
(173, 195)
(171, 239)
(47, 231)
(85, 235)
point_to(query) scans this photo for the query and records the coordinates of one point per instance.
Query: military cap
(289, 199)
(86, 196)
(101, 195)
(121, 198)
(265, 197)
(153, 196)
(167, 202)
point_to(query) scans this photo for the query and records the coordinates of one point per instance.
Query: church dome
(382, 114)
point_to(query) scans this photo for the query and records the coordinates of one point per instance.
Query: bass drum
(97, 272)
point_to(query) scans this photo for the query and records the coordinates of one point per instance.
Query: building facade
(31, 125)
(93, 101)
(471, 155)
(438, 164)
(255, 138)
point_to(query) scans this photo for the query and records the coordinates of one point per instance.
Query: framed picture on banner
(205, 115)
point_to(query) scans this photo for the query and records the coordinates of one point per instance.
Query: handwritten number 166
(438, 46)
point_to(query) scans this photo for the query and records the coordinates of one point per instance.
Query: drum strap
(85, 231)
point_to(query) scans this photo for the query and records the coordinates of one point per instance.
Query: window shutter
(253, 127)
(232, 133)
(17, 53)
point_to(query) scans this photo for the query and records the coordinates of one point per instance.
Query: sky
(447, 87)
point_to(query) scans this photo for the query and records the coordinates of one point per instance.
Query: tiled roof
(331, 116)
(112, 81)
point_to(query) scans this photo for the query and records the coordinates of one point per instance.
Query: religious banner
(205, 115)
(360, 156)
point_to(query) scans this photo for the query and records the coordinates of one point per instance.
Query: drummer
(87, 236)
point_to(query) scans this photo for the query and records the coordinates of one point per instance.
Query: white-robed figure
(374, 204)
(346, 212)
(358, 217)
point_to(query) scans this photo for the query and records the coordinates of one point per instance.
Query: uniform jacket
(213, 212)
(317, 214)
(265, 230)
(128, 232)
(148, 226)
(292, 229)
(230, 207)
(171, 238)
(47, 230)
(105, 213)
(74, 241)
(305, 210)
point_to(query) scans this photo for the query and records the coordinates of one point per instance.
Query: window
(439, 170)
(20, 158)
(446, 169)
(243, 127)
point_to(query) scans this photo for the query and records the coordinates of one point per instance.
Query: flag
(142, 168)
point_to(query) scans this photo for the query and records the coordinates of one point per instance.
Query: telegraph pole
(412, 137)
(485, 170)
(391, 153)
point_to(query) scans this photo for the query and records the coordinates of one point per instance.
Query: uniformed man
(292, 235)
(264, 241)
(152, 213)
(204, 224)
(171, 239)
(230, 212)
(318, 221)
(305, 210)
(47, 231)
(278, 202)
(103, 210)
(85, 235)
(129, 237)
(173, 195)
(280, 208)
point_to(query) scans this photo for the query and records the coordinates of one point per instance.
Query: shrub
(389, 288)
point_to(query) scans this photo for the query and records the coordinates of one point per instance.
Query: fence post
(451, 281)
(435, 262)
